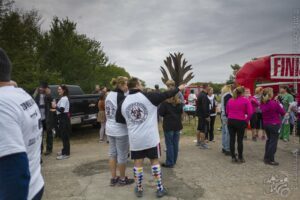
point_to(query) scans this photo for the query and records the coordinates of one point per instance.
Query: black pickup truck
(83, 107)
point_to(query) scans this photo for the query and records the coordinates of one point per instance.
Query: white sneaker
(62, 157)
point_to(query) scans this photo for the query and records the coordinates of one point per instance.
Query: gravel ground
(199, 174)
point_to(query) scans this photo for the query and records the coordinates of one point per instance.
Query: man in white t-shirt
(140, 113)
(20, 140)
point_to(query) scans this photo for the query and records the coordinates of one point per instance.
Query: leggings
(236, 129)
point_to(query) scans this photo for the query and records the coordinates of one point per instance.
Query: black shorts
(152, 153)
(256, 121)
(202, 125)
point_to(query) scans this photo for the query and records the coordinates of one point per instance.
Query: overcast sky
(212, 34)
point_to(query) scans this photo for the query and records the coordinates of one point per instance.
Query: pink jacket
(239, 109)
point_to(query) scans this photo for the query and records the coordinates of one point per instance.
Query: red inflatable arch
(273, 70)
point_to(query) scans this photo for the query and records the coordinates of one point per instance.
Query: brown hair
(133, 82)
(65, 90)
(266, 95)
(120, 80)
(239, 91)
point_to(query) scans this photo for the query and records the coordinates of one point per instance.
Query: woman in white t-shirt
(64, 125)
(192, 98)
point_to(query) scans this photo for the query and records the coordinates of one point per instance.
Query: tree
(73, 55)
(60, 55)
(235, 69)
(177, 69)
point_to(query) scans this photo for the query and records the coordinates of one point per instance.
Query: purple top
(271, 112)
(240, 109)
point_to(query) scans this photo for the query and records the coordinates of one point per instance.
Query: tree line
(58, 55)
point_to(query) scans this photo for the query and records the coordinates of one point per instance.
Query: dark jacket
(120, 98)
(172, 116)
(203, 105)
(48, 103)
(153, 97)
(226, 99)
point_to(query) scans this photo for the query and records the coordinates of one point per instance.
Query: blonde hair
(170, 83)
(267, 95)
(225, 89)
(209, 89)
(258, 90)
(237, 92)
(119, 81)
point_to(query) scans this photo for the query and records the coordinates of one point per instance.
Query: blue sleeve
(14, 176)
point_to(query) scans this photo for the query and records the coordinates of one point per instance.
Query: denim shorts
(119, 148)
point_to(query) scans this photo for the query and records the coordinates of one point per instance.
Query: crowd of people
(129, 118)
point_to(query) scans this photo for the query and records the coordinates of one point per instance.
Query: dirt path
(199, 174)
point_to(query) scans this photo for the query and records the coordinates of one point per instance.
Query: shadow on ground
(177, 187)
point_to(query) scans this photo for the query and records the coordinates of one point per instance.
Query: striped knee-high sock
(138, 177)
(156, 172)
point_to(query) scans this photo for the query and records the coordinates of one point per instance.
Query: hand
(181, 87)
(53, 104)
(48, 91)
(207, 119)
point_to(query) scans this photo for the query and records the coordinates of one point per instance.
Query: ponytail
(267, 95)
(237, 92)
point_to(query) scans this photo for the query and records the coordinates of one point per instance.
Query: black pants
(272, 141)
(39, 195)
(49, 139)
(64, 127)
(236, 129)
(44, 128)
(209, 134)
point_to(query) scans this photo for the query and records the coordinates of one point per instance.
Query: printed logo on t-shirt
(110, 110)
(137, 113)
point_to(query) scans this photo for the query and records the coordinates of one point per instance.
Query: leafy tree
(60, 55)
(235, 69)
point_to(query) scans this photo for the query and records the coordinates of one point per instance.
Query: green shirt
(287, 99)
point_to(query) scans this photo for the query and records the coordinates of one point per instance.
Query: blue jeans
(225, 133)
(172, 144)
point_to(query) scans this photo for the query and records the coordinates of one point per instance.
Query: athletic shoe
(285, 140)
(101, 141)
(62, 157)
(274, 163)
(161, 193)
(167, 166)
(114, 181)
(241, 160)
(227, 153)
(203, 146)
(138, 193)
(198, 144)
(59, 153)
(234, 160)
(126, 181)
(47, 153)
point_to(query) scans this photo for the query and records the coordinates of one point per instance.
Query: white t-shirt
(113, 128)
(63, 103)
(141, 119)
(21, 131)
(192, 99)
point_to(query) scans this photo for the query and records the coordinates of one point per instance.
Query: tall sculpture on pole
(177, 69)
